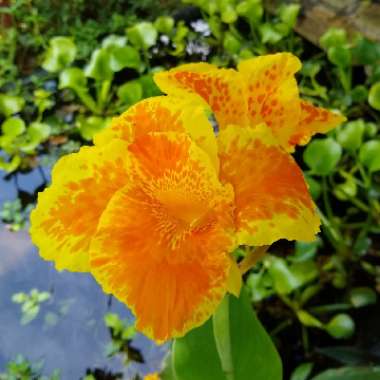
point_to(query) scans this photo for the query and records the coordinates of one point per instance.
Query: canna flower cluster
(154, 209)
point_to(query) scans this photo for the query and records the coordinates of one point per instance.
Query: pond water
(69, 333)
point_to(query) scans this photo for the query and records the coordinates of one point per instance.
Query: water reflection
(69, 332)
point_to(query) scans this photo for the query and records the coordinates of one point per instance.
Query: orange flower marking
(162, 243)
(263, 89)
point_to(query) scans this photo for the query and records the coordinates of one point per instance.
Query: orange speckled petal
(68, 211)
(163, 114)
(222, 90)
(271, 196)
(162, 242)
(314, 120)
(273, 92)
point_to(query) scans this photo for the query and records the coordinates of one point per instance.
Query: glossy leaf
(99, 66)
(142, 35)
(10, 104)
(374, 96)
(164, 24)
(350, 135)
(362, 296)
(369, 155)
(341, 326)
(13, 127)
(72, 77)
(322, 156)
(350, 373)
(195, 356)
(130, 92)
(302, 372)
(60, 54)
(89, 126)
(333, 37)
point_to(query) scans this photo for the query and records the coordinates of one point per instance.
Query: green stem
(252, 258)
(221, 327)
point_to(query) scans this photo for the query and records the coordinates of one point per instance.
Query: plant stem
(221, 327)
(252, 258)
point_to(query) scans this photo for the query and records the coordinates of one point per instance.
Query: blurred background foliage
(67, 67)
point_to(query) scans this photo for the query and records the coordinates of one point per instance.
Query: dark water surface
(77, 338)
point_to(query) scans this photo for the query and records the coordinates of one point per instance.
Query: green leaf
(374, 96)
(302, 372)
(369, 155)
(350, 135)
(231, 44)
(252, 10)
(72, 77)
(339, 55)
(309, 320)
(366, 52)
(60, 54)
(99, 66)
(114, 40)
(164, 24)
(10, 166)
(122, 57)
(89, 126)
(362, 296)
(346, 190)
(195, 356)
(341, 326)
(350, 373)
(322, 156)
(142, 35)
(130, 92)
(269, 34)
(289, 13)
(314, 186)
(10, 104)
(333, 37)
(305, 251)
(13, 127)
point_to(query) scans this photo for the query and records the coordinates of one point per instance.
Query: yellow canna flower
(263, 89)
(154, 209)
(152, 376)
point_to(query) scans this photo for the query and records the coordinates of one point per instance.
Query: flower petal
(162, 242)
(221, 89)
(271, 196)
(314, 120)
(273, 92)
(163, 114)
(68, 211)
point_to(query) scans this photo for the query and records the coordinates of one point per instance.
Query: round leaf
(130, 92)
(99, 66)
(350, 135)
(60, 54)
(374, 96)
(122, 57)
(72, 77)
(339, 55)
(322, 156)
(10, 105)
(341, 326)
(164, 24)
(360, 297)
(13, 127)
(143, 35)
(333, 37)
(369, 155)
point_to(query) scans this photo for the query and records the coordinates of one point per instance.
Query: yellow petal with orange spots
(273, 93)
(162, 243)
(223, 90)
(314, 120)
(235, 281)
(152, 376)
(163, 114)
(271, 196)
(68, 211)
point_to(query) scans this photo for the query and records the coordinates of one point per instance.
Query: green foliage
(350, 373)
(30, 304)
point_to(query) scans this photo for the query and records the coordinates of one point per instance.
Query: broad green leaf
(89, 126)
(346, 190)
(333, 37)
(10, 166)
(130, 92)
(308, 320)
(269, 34)
(341, 326)
(114, 40)
(302, 372)
(350, 373)
(374, 96)
(13, 127)
(362, 296)
(10, 104)
(195, 356)
(122, 57)
(72, 77)
(366, 52)
(142, 35)
(229, 15)
(252, 10)
(314, 186)
(369, 155)
(305, 251)
(38, 132)
(289, 13)
(60, 54)
(231, 44)
(350, 135)
(322, 156)
(339, 55)
(164, 24)
(99, 66)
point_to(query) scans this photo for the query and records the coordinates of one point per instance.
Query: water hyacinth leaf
(289, 13)
(302, 372)
(195, 356)
(269, 34)
(252, 10)
(350, 135)
(359, 94)
(60, 54)
(10, 104)
(130, 92)
(322, 156)
(366, 52)
(72, 77)
(309, 320)
(99, 66)
(114, 40)
(341, 326)
(374, 96)
(339, 55)
(346, 190)
(38, 132)
(13, 127)
(164, 24)
(369, 155)
(89, 126)
(228, 14)
(350, 373)
(125, 56)
(142, 35)
(305, 251)
(315, 187)
(360, 297)
(231, 44)
(333, 37)
(10, 166)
